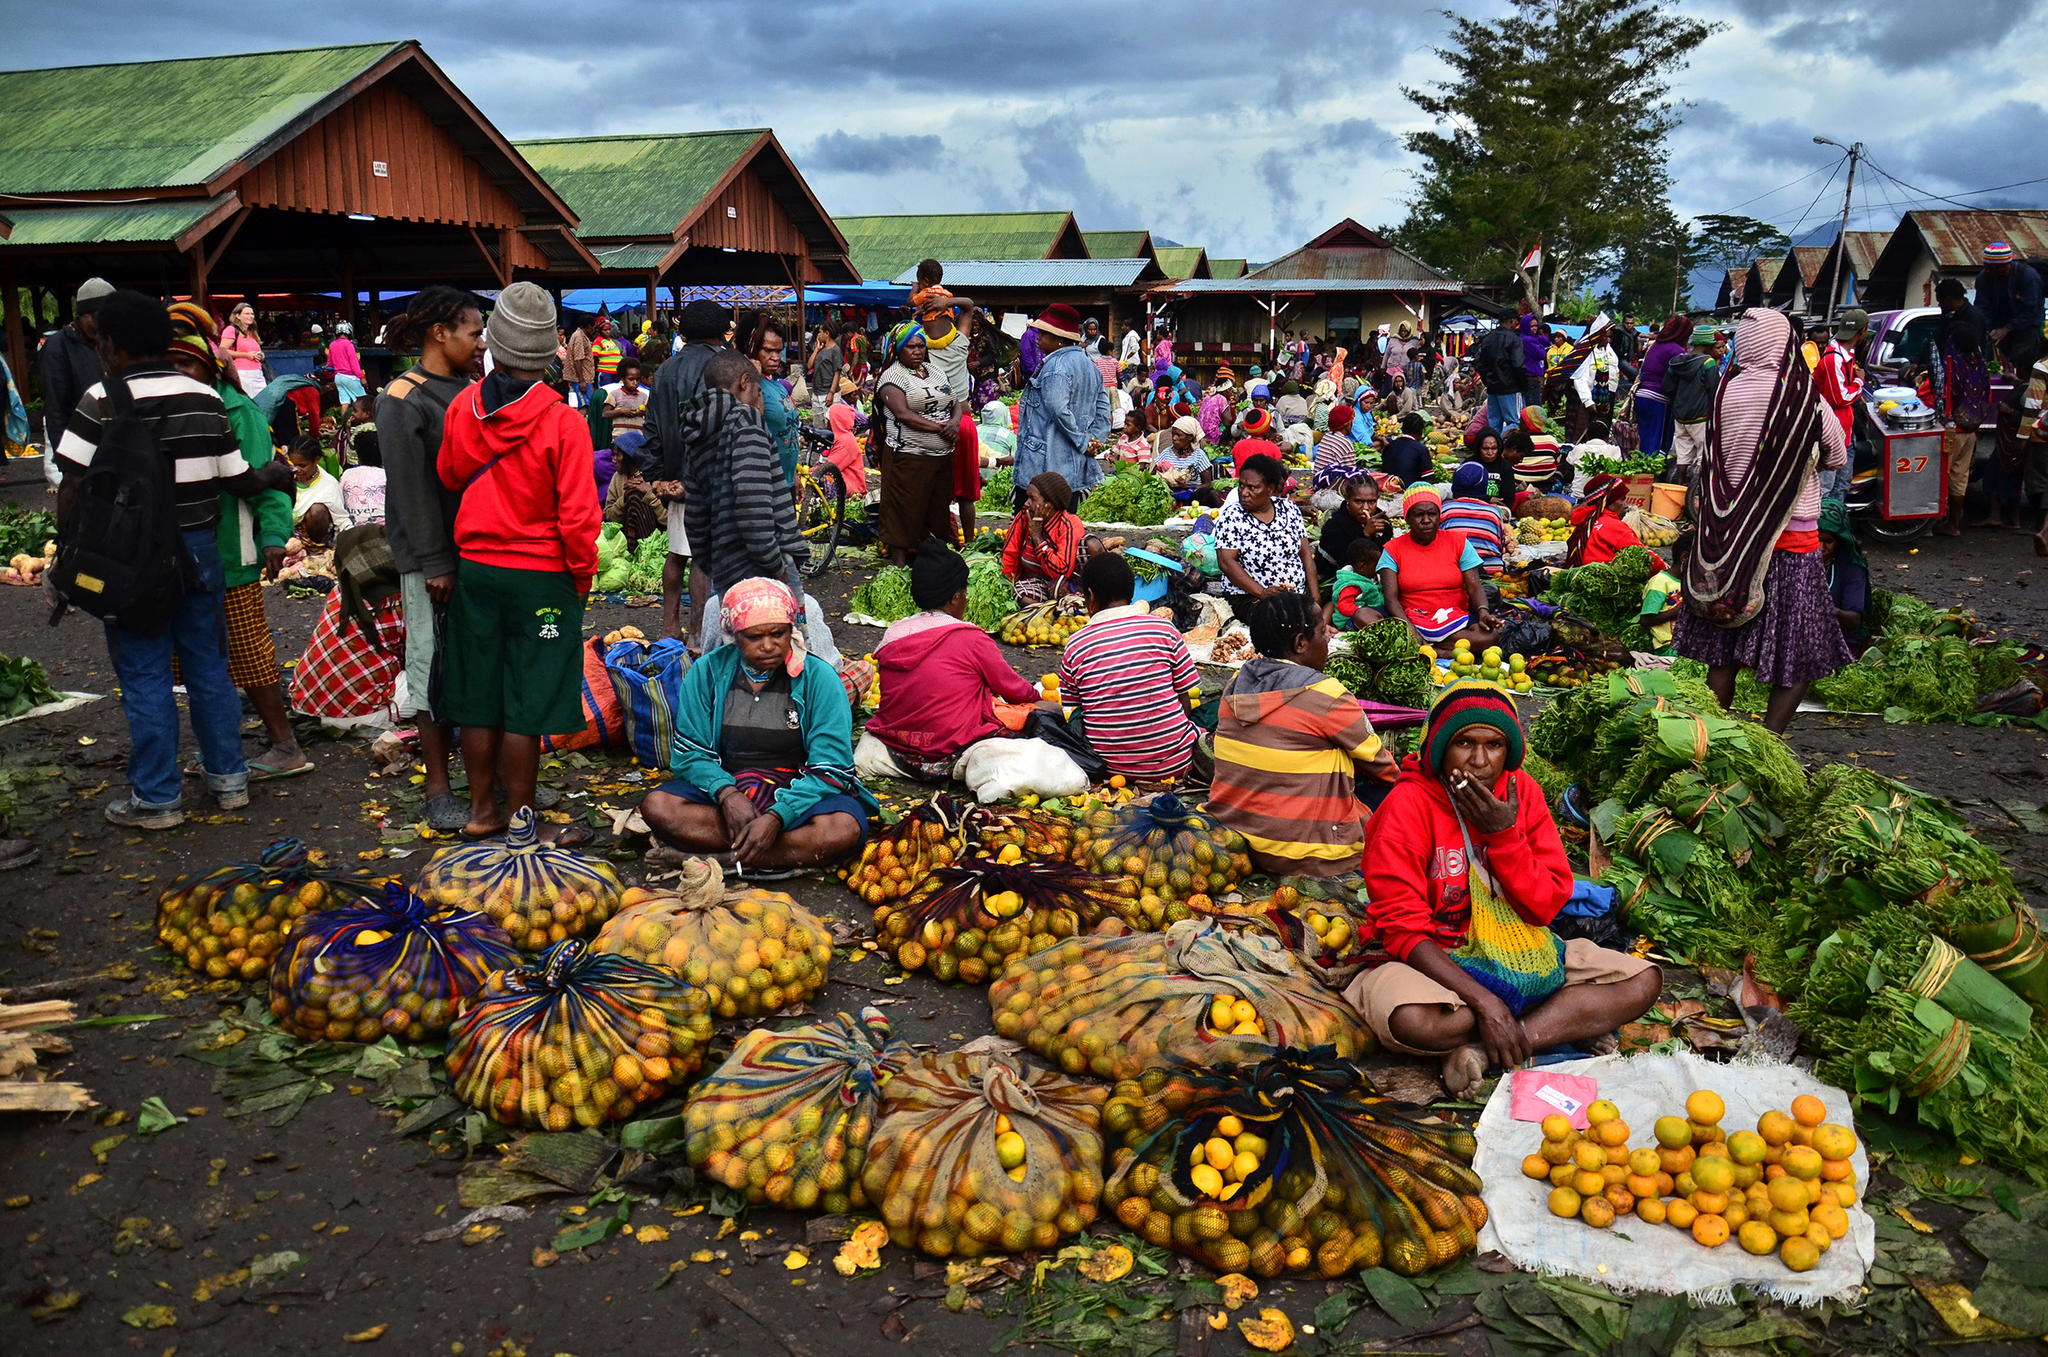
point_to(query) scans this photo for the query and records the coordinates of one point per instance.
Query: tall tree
(1550, 129)
(1721, 240)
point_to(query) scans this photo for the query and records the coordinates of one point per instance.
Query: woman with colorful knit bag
(1464, 871)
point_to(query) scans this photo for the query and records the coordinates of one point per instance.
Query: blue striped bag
(647, 676)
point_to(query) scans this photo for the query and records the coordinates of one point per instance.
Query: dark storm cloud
(882, 153)
(1895, 37)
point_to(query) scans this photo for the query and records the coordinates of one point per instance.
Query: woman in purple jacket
(1652, 409)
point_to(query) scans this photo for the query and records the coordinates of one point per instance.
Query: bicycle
(820, 499)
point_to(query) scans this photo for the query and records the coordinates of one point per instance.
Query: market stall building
(1347, 281)
(1927, 247)
(691, 210)
(1105, 290)
(343, 170)
(883, 247)
(1845, 268)
(1793, 289)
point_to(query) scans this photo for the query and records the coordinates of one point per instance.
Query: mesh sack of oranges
(538, 893)
(390, 966)
(1293, 1165)
(901, 858)
(1322, 922)
(1170, 860)
(576, 1038)
(1194, 995)
(229, 922)
(977, 917)
(754, 951)
(979, 1154)
(786, 1118)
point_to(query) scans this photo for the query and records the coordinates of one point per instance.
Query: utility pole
(1855, 153)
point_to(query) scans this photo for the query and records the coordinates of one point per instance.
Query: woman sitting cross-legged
(1464, 871)
(1431, 576)
(763, 753)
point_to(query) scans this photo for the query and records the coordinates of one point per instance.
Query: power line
(1779, 189)
(1793, 233)
(1967, 193)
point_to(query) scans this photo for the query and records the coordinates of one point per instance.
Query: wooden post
(802, 329)
(199, 273)
(17, 343)
(652, 279)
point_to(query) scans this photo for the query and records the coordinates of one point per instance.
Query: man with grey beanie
(69, 363)
(526, 548)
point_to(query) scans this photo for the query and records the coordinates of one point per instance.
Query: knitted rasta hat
(1470, 703)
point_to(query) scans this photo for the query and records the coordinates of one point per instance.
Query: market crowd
(453, 518)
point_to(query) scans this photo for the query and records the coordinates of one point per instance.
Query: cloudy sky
(1194, 120)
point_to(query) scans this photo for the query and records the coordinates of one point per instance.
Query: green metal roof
(882, 247)
(1227, 268)
(639, 186)
(639, 255)
(159, 124)
(1179, 261)
(108, 223)
(1115, 244)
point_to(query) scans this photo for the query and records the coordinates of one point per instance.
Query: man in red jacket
(1465, 817)
(526, 543)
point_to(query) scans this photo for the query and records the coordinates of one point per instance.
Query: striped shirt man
(1128, 672)
(1288, 741)
(191, 427)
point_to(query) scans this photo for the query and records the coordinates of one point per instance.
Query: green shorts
(515, 651)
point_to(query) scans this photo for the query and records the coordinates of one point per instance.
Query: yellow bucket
(1666, 500)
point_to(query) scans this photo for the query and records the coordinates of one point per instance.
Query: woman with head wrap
(997, 434)
(941, 676)
(1184, 461)
(762, 760)
(1165, 406)
(1292, 406)
(1211, 413)
(916, 424)
(1467, 835)
(1755, 583)
(1324, 400)
(1336, 450)
(1471, 511)
(1652, 407)
(1432, 578)
(1042, 555)
(1598, 532)
(1848, 573)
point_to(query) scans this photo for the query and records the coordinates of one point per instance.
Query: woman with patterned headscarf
(1755, 582)
(763, 754)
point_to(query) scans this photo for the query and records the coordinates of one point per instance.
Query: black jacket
(68, 367)
(677, 383)
(1689, 387)
(1498, 361)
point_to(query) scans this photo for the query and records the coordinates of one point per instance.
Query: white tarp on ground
(1659, 1257)
(64, 702)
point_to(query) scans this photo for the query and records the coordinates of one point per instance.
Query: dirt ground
(98, 1226)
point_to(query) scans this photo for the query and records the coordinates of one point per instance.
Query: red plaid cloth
(342, 674)
(252, 654)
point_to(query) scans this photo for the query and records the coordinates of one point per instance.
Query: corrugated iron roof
(638, 186)
(148, 223)
(1388, 263)
(1259, 283)
(159, 124)
(1864, 248)
(1117, 244)
(882, 247)
(1180, 261)
(1957, 239)
(967, 275)
(1808, 258)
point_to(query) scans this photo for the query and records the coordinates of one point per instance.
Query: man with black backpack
(146, 457)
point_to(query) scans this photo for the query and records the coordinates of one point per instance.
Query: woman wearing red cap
(1464, 871)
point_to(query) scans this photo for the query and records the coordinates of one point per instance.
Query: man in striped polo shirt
(192, 429)
(1128, 674)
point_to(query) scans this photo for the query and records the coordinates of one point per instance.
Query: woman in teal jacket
(763, 751)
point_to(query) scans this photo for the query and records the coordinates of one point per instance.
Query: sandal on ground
(263, 770)
(17, 853)
(445, 813)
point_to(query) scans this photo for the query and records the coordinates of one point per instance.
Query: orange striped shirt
(1284, 770)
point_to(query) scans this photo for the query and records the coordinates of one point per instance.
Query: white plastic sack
(1660, 1257)
(872, 759)
(998, 769)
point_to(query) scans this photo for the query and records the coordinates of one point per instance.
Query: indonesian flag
(1534, 260)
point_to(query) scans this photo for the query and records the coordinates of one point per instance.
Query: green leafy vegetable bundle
(1380, 663)
(990, 595)
(24, 530)
(1130, 494)
(644, 576)
(1608, 594)
(886, 596)
(23, 686)
(996, 490)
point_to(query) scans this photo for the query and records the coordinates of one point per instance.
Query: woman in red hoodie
(941, 675)
(526, 548)
(1464, 826)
